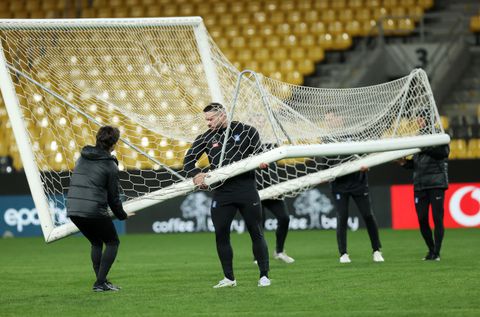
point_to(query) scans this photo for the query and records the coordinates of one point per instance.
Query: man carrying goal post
(236, 193)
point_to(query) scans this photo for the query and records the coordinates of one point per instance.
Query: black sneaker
(430, 255)
(117, 288)
(103, 288)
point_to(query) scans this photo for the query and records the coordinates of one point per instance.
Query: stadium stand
(283, 39)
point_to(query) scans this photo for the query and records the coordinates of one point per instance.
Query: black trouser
(99, 231)
(224, 208)
(362, 200)
(279, 210)
(434, 197)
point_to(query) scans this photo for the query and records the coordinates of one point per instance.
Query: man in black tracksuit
(236, 193)
(430, 180)
(354, 185)
(94, 186)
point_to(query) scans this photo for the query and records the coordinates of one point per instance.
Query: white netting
(149, 77)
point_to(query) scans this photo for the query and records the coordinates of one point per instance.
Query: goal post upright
(32, 172)
(208, 65)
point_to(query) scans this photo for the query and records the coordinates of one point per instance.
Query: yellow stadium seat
(294, 16)
(415, 13)
(186, 10)
(306, 66)
(342, 41)
(304, 5)
(256, 42)
(325, 41)
(379, 13)
(290, 41)
(369, 27)
(390, 3)
(389, 26)
(338, 4)
(317, 54)
(272, 42)
(279, 54)
(243, 18)
(231, 31)
(321, 4)
(426, 4)
(308, 41)
(88, 13)
(294, 77)
(38, 14)
(266, 30)
(345, 15)
(137, 12)
(398, 11)
(238, 42)
(269, 66)
(283, 29)
(260, 17)
(318, 28)
(287, 66)
(335, 28)
(220, 7)
(355, 4)
(237, 7)
(244, 55)
(311, 16)
(329, 15)
(225, 19)
(253, 65)
(120, 12)
(300, 28)
(473, 148)
(363, 14)
(287, 5)
(254, 6)
(406, 26)
(354, 28)
(104, 13)
(270, 5)
(153, 11)
(276, 17)
(297, 53)
(21, 14)
(262, 54)
(372, 3)
(475, 24)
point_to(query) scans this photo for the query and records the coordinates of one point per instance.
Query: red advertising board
(462, 206)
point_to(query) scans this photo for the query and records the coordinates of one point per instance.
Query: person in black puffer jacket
(94, 186)
(430, 180)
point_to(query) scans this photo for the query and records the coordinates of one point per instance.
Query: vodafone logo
(457, 205)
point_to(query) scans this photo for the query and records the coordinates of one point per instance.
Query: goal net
(63, 79)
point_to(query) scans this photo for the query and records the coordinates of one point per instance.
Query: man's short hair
(107, 136)
(214, 106)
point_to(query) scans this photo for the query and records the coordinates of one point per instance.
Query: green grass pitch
(173, 275)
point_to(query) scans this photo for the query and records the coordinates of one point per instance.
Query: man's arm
(192, 156)
(113, 195)
(438, 152)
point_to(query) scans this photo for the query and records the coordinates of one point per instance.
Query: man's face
(215, 119)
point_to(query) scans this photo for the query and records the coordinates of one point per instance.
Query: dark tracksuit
(265, 178)
(353, 185)
(94, 186)
(430, 180)
(236, 193)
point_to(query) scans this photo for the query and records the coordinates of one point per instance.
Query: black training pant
(99, 231)
(434, 197)
(362, 200)
(223, 210)
(279, 210)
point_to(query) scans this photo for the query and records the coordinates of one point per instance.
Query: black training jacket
(430, 168)
(243, 141)
(94, 186)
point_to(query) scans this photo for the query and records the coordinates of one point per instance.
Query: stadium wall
(390, 188)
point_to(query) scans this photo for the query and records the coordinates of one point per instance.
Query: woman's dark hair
(214, 106)
(107, 136)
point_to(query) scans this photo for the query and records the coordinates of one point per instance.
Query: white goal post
(62, 79)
